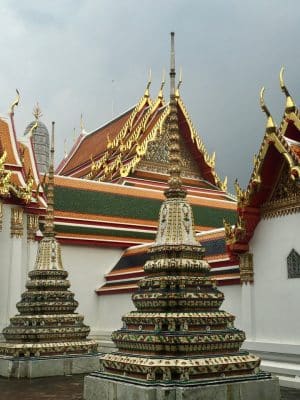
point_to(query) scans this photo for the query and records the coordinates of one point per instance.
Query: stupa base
(101, 386)
(36, 367)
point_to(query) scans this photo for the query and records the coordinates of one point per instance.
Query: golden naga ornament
(290, 104)
(5, 177)
(14, 104)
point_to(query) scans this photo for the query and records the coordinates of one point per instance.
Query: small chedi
(47, 323)
(178, 332)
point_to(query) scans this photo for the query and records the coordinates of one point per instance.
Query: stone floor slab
(69, 388)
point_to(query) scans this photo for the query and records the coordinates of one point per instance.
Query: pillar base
(99, 386)
(36, 367)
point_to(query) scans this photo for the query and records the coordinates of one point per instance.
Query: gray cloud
(66, 53)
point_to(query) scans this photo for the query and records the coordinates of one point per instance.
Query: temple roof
(19, 181)
(124, 276)
(273, 188)
(134, 145)
(102, 213)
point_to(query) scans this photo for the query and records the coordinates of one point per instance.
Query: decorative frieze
(16, 222)
(246, 267)
(32, 226)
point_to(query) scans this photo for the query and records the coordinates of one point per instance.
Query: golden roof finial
(270, 126)
(14, 103)
(147, 93)
(163, 81)
(49, 218)
(33, 128)
(37, 113)
(65, 149)
(290, 104)
(177, 94)
(82, 127)
(224, 185)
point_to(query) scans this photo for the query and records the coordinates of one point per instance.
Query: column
(247, 301)
(5, 263)
(15, 278)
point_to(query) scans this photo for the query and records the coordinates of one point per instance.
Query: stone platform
(36, 367)
(98, 386)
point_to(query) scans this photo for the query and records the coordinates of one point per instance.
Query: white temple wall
(112, 308)
(276, 298)
(232, 302)
(87, 267)
(5, 263)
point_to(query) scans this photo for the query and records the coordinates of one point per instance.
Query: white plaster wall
(87, 267)
(232, 302)
(276, 298)
(111, 310)
(5, 263)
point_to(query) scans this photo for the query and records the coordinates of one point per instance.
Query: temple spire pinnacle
(163, 81)
(14, 103)
(290, 104)
(49, 219)
(177, 94)
(270, 126)
(37, 113)
(147, 93)
(175, 184)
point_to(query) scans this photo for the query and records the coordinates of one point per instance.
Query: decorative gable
(156, 158)
(285, 198)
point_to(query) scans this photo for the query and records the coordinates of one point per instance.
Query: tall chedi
(47, 337)
(178, 340)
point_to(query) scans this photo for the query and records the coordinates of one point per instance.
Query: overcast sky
(79, 56)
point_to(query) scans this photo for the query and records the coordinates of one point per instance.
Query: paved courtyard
(68, 388)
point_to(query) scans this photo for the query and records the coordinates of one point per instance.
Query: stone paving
(68, 388)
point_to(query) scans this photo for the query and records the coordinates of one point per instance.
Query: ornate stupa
(47, 323)
(178, 332)
(39, 134)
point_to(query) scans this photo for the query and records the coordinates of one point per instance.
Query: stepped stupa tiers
(178, 337)
(47, 324)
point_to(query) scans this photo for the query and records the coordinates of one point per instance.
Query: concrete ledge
(98, 388)
(36, 367)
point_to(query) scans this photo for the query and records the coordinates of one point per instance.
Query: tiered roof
(119, 215)
(273, 189)
(19, 178)
(124, 276)
(133, 148)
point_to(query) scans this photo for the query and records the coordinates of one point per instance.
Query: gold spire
(163, 81)
(37, 113)
(175, 184)
(65, 149)
(270, 126)
(82, 127)
(179, 83)
(147, 93)
(290, 104)
(49, 219)
(14, 103)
